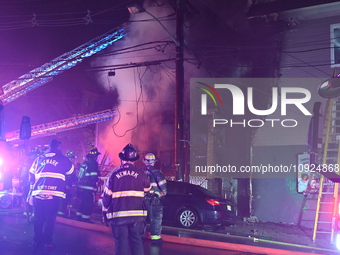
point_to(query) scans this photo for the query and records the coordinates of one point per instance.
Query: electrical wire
(132, 49)
(137, 109)
(66, 19)
(127, 65)
(79, 18)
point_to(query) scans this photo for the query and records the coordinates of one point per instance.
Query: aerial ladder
(46, 72)
(65, 124)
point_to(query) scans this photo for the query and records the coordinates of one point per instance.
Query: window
(335, 45)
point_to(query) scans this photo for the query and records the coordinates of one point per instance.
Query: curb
(230, 246)
(213, 244)
(85, 225)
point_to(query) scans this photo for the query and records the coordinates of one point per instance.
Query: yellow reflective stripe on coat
(91, 174)
(70, 171)
(126, 214)
(86, 187)
(107, 191)
(155, 192)
(49, 193)
(51, 175)
(128, 193)
(162, 182)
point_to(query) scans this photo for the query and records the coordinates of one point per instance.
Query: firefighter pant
(128, 238)
(45, 213)
(25, 191)
(155, 215)
(64, 203)
(86, 203)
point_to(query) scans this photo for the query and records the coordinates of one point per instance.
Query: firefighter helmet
(149, 158)
(44, 150)
(70, 155)
(54, 144)
(129, 153)
(34, 152)
(93, 153)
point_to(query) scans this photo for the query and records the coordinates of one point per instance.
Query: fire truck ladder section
(64, 125)
(327, 201)
(46, 72)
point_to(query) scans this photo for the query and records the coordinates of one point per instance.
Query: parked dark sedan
(189, 205)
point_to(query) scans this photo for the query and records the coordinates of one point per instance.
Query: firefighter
(87, 185)
(70, 180)
(123, 203)
(25, 182)
(47, 178)
(153, 198)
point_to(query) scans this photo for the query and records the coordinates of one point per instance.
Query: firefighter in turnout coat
(87, 185)
(47, 177)
(153, 198)
(124, 205)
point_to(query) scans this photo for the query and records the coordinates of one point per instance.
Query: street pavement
(78, 238)
(16, 236)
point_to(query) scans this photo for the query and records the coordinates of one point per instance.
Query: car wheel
(5, 201)
(187, 218)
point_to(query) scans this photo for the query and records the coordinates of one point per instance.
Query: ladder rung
(325, 222)
(323, 232)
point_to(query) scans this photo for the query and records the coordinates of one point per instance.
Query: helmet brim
(121, 156)
(149, 161)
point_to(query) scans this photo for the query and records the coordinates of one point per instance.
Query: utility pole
(179, 94)
(179, 91)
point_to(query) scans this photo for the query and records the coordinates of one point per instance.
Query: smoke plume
(146, 94)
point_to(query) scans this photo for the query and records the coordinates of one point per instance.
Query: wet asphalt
(16, 235)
